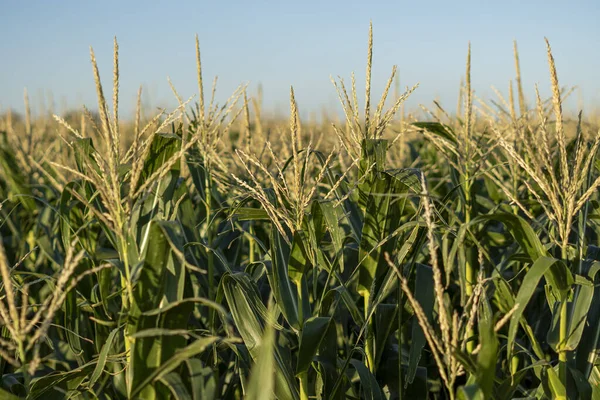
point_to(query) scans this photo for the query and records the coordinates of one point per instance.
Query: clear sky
(44, 47)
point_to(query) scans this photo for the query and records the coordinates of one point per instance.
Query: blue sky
(44, 47)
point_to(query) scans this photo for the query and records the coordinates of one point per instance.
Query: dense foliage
(212, 253)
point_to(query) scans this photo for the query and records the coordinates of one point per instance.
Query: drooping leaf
(250, 316)
(176, 386)
(40, 386)
(191, 350)
(528, 286)
(369, 385)
(438, 129)
(103, 356)
(313, 332)
(262, 377)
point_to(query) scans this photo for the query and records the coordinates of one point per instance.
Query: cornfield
(207, 252)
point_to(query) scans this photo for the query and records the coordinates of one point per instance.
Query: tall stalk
(209, 232)
(303, 377)
(369, 337)
(470, 253)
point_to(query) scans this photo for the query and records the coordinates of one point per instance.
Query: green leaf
(72, 322)
(150, 352)
(313, 332)
(149, 279)
(169, 365)
(330, 219)
(341, 292)
(386, 199)
(163, 147)
(102, 357)
(488, 355)
(250, 315)
(438, 129)
(40, 386)
(353, 214)
(506, 301)
(424, 294)
(251, 214)
(176, 284)
(594, 380)
(246, 307)
(555, 387)
(262, 382)
(201, 380)
(577, 311)
(161, 277)
(587, 310)
(470, 392)
(73, 220)
(583, 387)
(369, 385)
(327, 361)
(176, 386)
(201, 178)
(517, 226)
(528, 286)
(84, 150)
(385, 322)
(284, 291)
(372, 161)
(298, 260)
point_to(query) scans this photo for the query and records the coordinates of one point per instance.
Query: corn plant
(211, 252)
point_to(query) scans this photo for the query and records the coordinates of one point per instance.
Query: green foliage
(212, 262)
